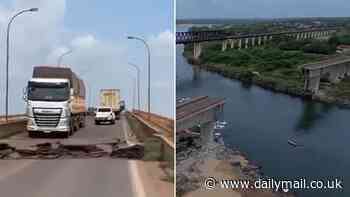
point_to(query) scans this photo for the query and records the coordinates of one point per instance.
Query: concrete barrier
(157, 146)
(12, 128)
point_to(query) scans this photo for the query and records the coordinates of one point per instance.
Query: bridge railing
(189, 37)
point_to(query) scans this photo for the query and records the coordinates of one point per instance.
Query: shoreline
(195, 163)
(278, 86)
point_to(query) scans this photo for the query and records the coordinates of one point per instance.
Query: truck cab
(48, 106)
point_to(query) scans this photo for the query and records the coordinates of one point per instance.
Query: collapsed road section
(58, 150)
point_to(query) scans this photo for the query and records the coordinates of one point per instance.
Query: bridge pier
(265, 39)
(224, 45)
(246, 43)
(196, 73)
(232, 43)
(197, 50)
(240, 44)
(312, 84)
(206, 131)
(259, 41)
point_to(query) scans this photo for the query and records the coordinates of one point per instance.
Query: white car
(104, 114)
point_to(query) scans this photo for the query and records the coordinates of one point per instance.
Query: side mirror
(71, 92)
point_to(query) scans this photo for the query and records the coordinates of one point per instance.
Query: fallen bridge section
(332, 70)
(199, 111)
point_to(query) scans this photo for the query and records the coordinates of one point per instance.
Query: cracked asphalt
(71, 177)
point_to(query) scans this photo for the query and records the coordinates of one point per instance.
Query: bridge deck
(326, 63)
(202, 36)
(196, 106)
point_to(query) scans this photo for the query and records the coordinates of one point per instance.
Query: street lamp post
(138, 84)
(149, 70)
(61, 57)
(8, 54)
(133, 92)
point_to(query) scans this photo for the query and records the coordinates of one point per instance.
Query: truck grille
(47, 119)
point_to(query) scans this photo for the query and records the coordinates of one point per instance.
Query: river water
(261, 122)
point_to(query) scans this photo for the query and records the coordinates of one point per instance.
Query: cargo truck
(55, 99)
(111, 98)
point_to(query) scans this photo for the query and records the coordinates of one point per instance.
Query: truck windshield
(48, 91)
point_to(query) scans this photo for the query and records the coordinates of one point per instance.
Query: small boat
(293, 143)
(223, 123)
(217, 134)
(219, 127)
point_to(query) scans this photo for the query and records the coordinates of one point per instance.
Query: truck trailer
(111, 98)
(55, 98)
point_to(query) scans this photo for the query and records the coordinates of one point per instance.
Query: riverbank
(327, 93)
(196, 163)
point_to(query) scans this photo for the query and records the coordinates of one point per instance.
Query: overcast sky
(261, 8)
(96, 32)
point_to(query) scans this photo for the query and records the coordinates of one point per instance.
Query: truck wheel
(97, 122)
(82, 123)
(113, 121)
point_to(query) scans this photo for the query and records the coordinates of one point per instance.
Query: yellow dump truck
(111, 98)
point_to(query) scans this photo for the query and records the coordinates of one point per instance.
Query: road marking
(137, 186)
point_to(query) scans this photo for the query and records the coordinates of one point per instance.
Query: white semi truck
(55, 100)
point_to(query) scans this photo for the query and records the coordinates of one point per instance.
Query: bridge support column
(197, 50)
(253, 41)
(304, 35)
(259, 41)
(298, 36)
(224, 45)
(246, 43)
(196, 71)
(312, 84)
(207, 130)
(232, 43)
(265, 39)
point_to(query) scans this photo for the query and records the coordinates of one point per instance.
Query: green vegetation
(340, 39)
(341, 89)
(270, 62)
